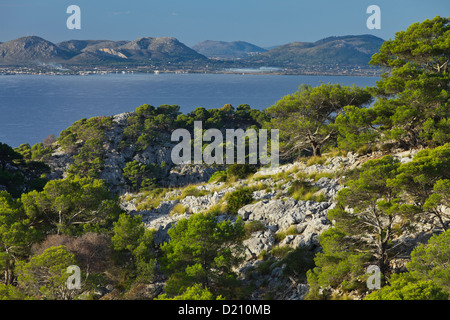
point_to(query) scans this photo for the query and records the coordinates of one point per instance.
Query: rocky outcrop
(186, 174)
(283, 221)
(280, 215)
(116, 156)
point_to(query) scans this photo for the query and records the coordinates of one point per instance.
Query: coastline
(95, 71)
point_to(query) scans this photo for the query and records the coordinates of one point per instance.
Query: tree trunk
(316, 150)
(441, 221)
(8, 272)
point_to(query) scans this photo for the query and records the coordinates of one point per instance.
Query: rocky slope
(283, 222)
(278, 220)
(31, 50)
(115, 159)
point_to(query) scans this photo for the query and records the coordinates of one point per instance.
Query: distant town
(103, 70)
(345, 55)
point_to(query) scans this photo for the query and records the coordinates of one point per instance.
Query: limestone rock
(282, 214)
(259, 241)
(183, 175)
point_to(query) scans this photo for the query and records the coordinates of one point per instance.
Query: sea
(34, 106)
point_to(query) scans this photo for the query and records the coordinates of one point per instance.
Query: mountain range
(345, 50)
(227, 50)
(33, 49)
(352, 50)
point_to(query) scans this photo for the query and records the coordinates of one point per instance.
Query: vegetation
(203, 251)
(134, 243)
(373, 209)
(71, 206)
(45, 274)
(234, 172)
(48, 224)
(411, 107)
(303, 190)
(237, 199)
(306, 119)
(142, 176)
(427, 277)
(85, 139)
(19, 173)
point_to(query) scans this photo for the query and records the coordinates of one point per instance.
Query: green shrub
(281, 251)
(315, 160)
(253, 226)
(405, 287)
(151, 199)
(240, 171)
(298, 262)
(303, 190)
(193, 191)
(280, 235)
(218, 176)
(237, 199)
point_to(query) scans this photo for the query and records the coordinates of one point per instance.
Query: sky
(265, 23)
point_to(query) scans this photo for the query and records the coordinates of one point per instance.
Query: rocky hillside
(278, 220)
(162, 49)
(345, 50)
(33, 50)
(116, 153)
(285, 213)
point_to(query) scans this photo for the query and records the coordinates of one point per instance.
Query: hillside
(283, 226)
(162, 49)
(118, 172)
(35, 50)
(345, 50)
(284, 210)
(79, 46)
(227, 50)
(31, 50)
(283, 222)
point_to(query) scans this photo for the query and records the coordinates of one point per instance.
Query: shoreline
(268, 73)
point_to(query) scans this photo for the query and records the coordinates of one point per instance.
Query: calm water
(32, 107)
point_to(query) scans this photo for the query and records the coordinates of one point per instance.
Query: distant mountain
(34, 50)
(332, 55)
(31, 50)
(89, 45)
(345, 50)
(94, 51)
(163, 49)
(227, 50)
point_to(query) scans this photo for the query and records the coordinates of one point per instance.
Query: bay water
(35, 106)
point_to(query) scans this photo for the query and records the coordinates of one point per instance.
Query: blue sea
(35, 106)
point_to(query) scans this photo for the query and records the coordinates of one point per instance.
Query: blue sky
(262, 22)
